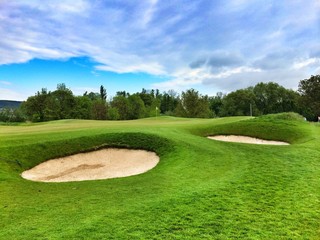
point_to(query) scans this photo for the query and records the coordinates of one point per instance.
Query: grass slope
(201, 189)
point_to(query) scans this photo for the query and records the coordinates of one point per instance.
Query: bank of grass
(201, 189)
(288, 127)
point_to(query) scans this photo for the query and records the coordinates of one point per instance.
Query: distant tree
(99, 109)
(122, 93)
(113, 114)
(83, 108)
(239, 103)
(45, 106)
(264, 98)
(8, 114)
(310, 96)
(180, 110)
(136, 107)
(103, 93)
(290, 101)
(92, 95)
(169, 102)
(65, 99)
(146, 97)
(273, 98)
(152, 101)
(52, 108)
(157, 94)
(35, 106)
(216, 103)
(193, 105)
(154, 109)
(121, 103)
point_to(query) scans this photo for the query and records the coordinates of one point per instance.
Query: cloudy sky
(209, 45)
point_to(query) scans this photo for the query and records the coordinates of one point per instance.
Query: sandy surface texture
(101, 164)
(245, 139)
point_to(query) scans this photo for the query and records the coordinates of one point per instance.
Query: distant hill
(9, 104)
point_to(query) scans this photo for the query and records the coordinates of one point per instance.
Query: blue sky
(209, 45)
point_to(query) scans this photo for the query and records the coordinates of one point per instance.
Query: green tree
(121, 103)
(193, 105)
(216, 103)
(35, 106)
(103, 93)
(273, 98)
(309, 90)
(136, 107)
(147, 97)
(66, 101)
(52, 106)
(99, 109)
(113, 114)
(168, 102)
(239, 103)
(83, 108)
(122, 93)
(153, 109)
(93, 96)
(8, 114)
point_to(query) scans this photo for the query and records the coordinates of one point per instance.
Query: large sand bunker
(101, 164)
(245, 139)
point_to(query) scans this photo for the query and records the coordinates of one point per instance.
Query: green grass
(201, 189)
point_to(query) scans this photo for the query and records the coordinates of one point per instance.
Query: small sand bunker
(245, 139)
(101, 164)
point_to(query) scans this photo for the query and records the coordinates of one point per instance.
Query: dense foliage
(261, 99)
(310, 96)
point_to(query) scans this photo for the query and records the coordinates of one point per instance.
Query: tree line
(263, 98)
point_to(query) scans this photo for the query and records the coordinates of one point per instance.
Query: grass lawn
(201, 189)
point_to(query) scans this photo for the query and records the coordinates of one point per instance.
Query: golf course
(199, 189)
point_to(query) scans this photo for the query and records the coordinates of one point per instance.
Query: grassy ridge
(201, 189)
(288, 127)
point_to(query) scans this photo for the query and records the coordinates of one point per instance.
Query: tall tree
(193, 105)
(35, 106)
(121, 103)
(216, 103)
(99, 109)
(103, 93)
(273, 98)
(169, 102)
(83, 108)
(66, 101)
(310, 93)
(136, 107)
(239, 103)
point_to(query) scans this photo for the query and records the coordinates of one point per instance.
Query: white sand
(101, 164)
(245, 139)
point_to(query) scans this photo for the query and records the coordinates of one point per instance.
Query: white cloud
(66, 6)
(8, 94)
(163, 38)
(306, 63)
(151, 68)
(187, 78)
(5, 82)
(147, 13)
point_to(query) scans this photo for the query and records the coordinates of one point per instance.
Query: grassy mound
(288, 127)
(289, 116)
(201, 189)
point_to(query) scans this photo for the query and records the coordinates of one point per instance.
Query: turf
(201, 189)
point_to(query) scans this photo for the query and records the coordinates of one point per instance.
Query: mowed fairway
(201, 188)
